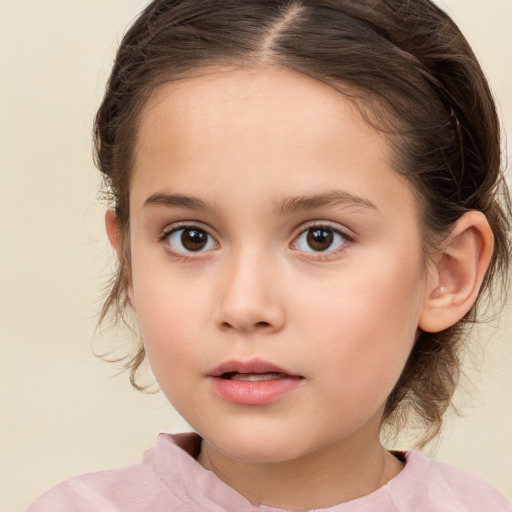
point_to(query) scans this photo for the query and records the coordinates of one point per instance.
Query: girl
(307, 206)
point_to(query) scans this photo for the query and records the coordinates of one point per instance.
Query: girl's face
(276, 273)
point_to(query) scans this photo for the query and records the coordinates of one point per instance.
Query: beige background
(64, 412)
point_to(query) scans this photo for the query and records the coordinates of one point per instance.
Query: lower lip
(254, 392)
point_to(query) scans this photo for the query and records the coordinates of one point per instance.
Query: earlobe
(457, 273)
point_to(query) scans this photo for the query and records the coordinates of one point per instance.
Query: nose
(250, 295)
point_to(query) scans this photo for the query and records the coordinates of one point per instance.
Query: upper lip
(250, 366)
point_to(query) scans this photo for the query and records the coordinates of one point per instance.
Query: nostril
(257, 325)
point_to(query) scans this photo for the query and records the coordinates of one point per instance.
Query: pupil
(320, 239)
(193, 239)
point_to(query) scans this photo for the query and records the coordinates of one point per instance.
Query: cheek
(362, 329)
(169, 333)
(170, 321)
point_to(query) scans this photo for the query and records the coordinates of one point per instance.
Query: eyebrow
(293, 204)
(175, 201)
(331, 198)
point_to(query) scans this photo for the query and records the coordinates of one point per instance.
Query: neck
(335, 474)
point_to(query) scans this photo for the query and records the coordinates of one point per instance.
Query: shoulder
(444, 488)
(135, 488)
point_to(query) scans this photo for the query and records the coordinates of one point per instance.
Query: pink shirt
(170, 479)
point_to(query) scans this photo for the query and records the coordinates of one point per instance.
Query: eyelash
(175, 228)
(329, 253)
(314, 255)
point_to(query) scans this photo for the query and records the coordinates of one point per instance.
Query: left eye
(191, 239)
(319, 239)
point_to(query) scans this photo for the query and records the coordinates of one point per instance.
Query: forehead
(259, 127)
(282, 106)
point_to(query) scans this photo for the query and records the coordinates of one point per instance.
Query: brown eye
(192, 239)
(320, 239)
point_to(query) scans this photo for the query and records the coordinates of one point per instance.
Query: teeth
(254, 377)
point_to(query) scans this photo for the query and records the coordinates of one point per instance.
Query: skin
(243, 142)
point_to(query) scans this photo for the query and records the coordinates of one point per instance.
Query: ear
(457, 273)
(113, 230)
(115, 238)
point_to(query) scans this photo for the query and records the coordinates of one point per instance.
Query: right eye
(191, 239)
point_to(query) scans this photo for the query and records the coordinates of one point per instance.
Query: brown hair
(412, 74)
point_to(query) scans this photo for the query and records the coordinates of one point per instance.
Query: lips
(253, 382)
(253, 377)
(252, 366)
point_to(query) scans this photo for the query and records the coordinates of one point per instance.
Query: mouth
(253, 377)
(253, 382)
(251, 370)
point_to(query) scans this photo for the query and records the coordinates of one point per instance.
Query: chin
(253, 447)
